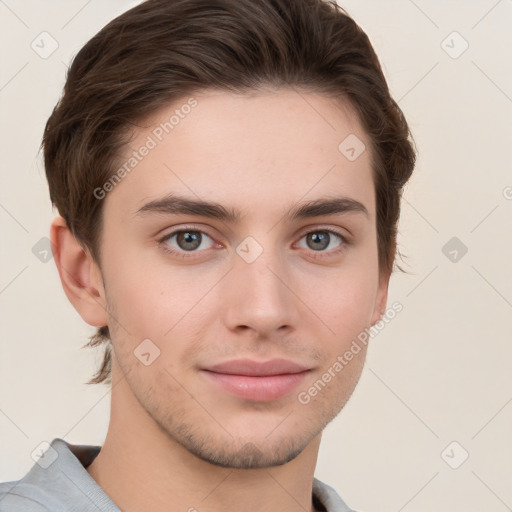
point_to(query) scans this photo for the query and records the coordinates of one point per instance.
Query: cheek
(345, 300)
(151, 299)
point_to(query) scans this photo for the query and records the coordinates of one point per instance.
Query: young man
(228, 178)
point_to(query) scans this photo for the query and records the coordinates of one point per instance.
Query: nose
(260, 298)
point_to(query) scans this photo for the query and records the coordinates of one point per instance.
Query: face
(239, 261)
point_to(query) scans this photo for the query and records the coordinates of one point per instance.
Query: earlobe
(79, 275)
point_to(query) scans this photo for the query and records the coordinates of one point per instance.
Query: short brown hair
(162, 50)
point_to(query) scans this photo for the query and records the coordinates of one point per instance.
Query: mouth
(257, 381)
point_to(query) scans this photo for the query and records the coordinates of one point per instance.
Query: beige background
(439, 372)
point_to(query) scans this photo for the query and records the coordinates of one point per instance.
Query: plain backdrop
(436, 387)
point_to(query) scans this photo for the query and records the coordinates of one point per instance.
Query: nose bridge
(258, 296)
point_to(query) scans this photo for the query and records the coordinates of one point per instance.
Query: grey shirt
(59, 482)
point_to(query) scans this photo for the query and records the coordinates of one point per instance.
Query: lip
(253, 368)
(257, 381)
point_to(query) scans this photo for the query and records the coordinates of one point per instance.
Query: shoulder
(329, 498)
(57, 482)
(22, 497)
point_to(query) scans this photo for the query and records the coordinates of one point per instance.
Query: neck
(140, 467)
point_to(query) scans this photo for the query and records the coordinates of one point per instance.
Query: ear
(381, 298)
(79, 274)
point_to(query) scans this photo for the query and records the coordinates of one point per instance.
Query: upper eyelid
(185, 228)
(305, 229)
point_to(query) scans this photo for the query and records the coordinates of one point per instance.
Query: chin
(248, 456)
(261, 450)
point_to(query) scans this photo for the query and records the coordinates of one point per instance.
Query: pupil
(318, 240)
(189, 240)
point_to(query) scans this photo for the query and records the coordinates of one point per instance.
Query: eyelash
(191, 254)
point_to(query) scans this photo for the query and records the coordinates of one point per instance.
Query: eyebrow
(179, 205)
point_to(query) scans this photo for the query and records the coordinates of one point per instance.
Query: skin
(177, 441)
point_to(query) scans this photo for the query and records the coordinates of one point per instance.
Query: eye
(323, 241)
(187, 240)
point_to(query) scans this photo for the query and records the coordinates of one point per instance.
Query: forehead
(248, 150)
